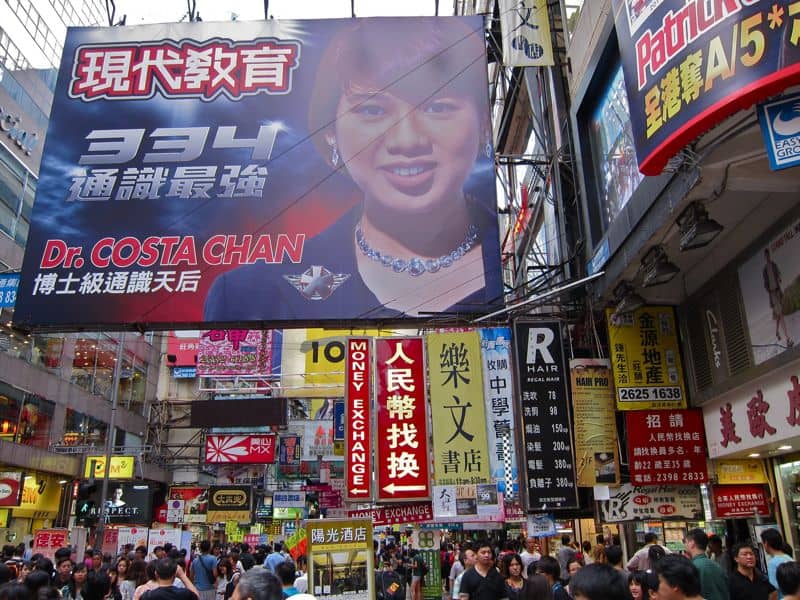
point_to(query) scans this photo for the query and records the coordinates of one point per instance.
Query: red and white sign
(183, 347)
(402, 421)
(10, 488)
(241, 449)
(159, 537)
(732, 501)
(357, 418)
(47, 541)
(667, 447)
(416, 512)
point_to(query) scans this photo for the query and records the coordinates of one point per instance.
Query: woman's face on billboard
(406, 156)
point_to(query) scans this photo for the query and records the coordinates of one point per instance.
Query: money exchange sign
(358, 419)
(403, 471)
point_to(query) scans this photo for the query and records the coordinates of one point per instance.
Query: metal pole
(98, 535)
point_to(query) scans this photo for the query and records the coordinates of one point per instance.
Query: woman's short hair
(678, 571)
(410, 58)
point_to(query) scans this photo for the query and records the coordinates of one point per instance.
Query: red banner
(402, 444)
(417, 512)
(10, 488)
(732, 501)
(47, 541)
(241, 449)
(357, 419)
(182, 346)
(667, 446)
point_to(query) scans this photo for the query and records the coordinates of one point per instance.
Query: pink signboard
(234, 352)
(241, 449)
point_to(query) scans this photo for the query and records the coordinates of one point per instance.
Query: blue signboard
(184, 372)
(338, 420)
(780, 124)
(9, 282)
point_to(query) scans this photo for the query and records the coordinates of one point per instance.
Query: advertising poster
(740, 501)
(159, 537)
(240, 449)
(340, 558)
(133, 536)
(455, 375)
(638, 503)
(770, 285)
(127, 503)
(235, 352)
(358, 420)
(546, 433)
(667, 447)
(596, 457)
(110, 541)
(246, 172)
(692, 64)
(498, 396)
(401, 448)
(479, 503)
(195, 501)
(10, 488)
(525, 26)
(229, 503)
(121, 467)
(646, 358)
(290, 450)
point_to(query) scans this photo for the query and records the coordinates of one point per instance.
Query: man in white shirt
(529, 555)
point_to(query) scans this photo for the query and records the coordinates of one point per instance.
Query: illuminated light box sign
(690, 65)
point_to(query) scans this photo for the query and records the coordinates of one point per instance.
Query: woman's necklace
(416, 266)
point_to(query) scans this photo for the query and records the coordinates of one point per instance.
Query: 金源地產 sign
(666, 447)
(358, 420)
(242, 449)
(213, 176)
(692, 64)
(546, 434)
(646, 358)
(401, 457)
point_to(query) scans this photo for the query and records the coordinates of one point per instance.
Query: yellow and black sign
(229, 503)
(646, 359)
(121, 467)
(732, 472)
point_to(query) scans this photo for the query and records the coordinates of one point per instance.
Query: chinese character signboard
(739, 501)
(666, 447)
(595, 424)
(403, 472)
(340, 558)
(290, 450)
(231, 352)
(457, 409)
(229, 503)
(778, 120)
(249, 449)
(47, 541)
(689, 65)
(182, 348)
(9, 282)
(632, 503)
(764, 410)
(646, 359)
(212, 176)
(468, 503)
(746, 470)
(358, 420)
(525, 25)
(546, 437)
(498, 397)
(195, 502)
(771, 294)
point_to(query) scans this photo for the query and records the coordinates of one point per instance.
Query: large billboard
(690, 64)
(270, 171)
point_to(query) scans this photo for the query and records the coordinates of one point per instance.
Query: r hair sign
(358, 419)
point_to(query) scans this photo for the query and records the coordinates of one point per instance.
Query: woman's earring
(487, 149)
(334, 154)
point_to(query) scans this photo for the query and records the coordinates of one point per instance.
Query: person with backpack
(204, 572)
(388, 584)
